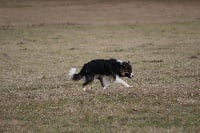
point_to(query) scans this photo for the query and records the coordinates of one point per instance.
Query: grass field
(36, 95)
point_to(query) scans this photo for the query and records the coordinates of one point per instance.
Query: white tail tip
(72, 71)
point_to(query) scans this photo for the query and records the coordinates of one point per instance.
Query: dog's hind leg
(88, 79)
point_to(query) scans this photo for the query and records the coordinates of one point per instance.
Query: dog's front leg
(118, 80)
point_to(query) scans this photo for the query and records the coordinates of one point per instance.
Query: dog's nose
(132, 75)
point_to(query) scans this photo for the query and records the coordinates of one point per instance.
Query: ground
(41, 40)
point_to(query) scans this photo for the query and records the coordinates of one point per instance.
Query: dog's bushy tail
(73, 75)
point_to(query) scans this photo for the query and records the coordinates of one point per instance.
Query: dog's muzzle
(129, 75)
(132, 75)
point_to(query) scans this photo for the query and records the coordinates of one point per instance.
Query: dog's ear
(129, 62)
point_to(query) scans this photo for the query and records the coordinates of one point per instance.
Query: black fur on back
(109, 67)
(77, 77)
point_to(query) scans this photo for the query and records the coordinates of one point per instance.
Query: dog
(106, 71)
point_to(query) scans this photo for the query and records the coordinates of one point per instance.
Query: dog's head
(126, 70)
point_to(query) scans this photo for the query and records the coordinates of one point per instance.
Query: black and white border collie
(106, 71)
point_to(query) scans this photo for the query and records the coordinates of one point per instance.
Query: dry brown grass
(36, 96)
(39, 12)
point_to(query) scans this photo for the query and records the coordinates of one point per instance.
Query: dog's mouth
(129, 75)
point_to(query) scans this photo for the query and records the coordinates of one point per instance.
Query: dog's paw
(129, 86)
(84, 89)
